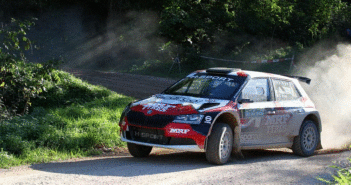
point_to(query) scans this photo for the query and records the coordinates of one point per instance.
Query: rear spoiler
(300, 78)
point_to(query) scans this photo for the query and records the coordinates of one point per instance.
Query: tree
(194, 23)
(312, 20)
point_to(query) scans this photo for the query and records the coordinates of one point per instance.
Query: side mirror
(245, 101)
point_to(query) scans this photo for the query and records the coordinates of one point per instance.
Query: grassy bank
(72, 120)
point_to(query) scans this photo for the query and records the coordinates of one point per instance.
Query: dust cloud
(330, 90)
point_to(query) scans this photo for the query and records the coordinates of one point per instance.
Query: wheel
(306, 142)
(139, 150)
(219, 144)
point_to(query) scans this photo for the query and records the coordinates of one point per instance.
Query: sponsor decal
(179, 131)
(254, 112)
(273, 129)
(267, 120)
(248, 137)
(220, 78)
(251, 121)
(182, 99)
(258, 120)
(185, 99)
(158, 107)
(277, 119)
(152, 99)
(208, 120)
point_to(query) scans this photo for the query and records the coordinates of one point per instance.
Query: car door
(287, 106)
(256, 104)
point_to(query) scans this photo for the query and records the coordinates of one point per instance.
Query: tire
(219, 144)
(307, 141)
(139, 150)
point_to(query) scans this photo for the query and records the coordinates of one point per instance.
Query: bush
(7, 159)
(20, 81)
(78, 127)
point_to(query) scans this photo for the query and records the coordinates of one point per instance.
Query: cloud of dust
(330, 89)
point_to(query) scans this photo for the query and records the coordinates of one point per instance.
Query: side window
(257, 90)
(285, 90)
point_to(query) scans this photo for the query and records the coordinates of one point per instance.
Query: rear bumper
(191, 148)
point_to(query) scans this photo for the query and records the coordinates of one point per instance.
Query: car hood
(176, 104)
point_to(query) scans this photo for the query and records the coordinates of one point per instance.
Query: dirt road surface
(169, 167)
(259, 167)
(137, 86)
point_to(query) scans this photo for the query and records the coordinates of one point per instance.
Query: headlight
(190, 119)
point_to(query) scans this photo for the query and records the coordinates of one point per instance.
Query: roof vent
(221, 70)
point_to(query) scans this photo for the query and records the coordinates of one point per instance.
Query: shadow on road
(127, 166)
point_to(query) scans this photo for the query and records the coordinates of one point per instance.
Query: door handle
(300, 111)
(271, 112)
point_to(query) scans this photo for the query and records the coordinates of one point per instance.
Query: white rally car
(222, 111)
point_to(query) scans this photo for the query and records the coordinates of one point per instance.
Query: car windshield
(207, 86)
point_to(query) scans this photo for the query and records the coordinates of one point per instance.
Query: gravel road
(259, 167)
(170, 167)
(137, 86)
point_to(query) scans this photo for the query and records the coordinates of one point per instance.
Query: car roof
(238, 72)
(255, 74)
(251, 74)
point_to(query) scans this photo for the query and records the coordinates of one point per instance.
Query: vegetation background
(47, 114)
(144, 36)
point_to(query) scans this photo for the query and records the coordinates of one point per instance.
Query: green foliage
(225, 27)
(44, 111)
(19, 81)
(7, 160)
(194, 23)
(313, 20)
(13, 39)
(63, 131)
(343, 176)
(63, 89)
(264, 17)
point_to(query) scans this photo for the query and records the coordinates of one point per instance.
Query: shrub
(7, 159)
(20, 81)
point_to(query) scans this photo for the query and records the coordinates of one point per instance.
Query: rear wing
(300, 78)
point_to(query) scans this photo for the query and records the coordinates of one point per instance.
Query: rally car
(222, 111)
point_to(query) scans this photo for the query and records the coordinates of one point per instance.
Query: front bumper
(192, 148)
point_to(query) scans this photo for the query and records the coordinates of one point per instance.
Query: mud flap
(319, 146)
(236, 145)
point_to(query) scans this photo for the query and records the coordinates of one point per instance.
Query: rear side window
(285, 90)
(256, 90)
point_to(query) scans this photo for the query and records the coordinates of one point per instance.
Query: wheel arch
(233, 120)
(317, 121)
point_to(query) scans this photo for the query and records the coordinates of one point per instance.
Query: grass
(343, 176)
(72, 121)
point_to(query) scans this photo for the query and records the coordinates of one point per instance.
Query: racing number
(208, 120)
